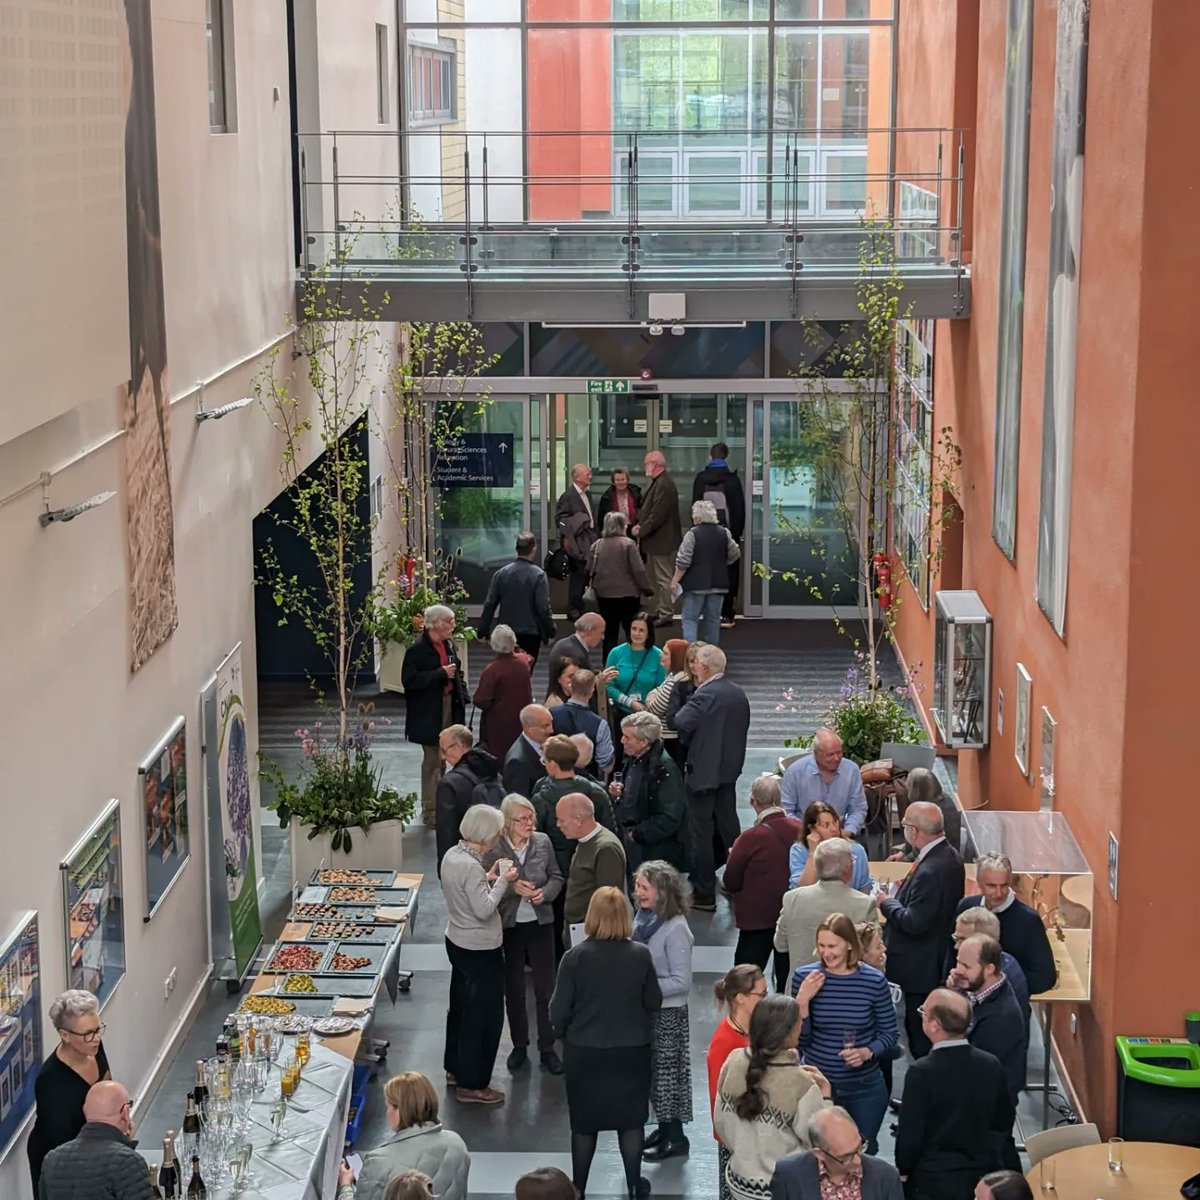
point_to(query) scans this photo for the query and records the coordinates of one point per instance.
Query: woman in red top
(741, 989)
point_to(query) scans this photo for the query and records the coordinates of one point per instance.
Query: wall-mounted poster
(1046, 770)
(162, 780)
(93, 907)
(1021, 719)
(20, 1025)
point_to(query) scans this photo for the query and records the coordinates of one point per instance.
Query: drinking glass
(235, 1171)
(1046, 1170)
(243, 1152)
(849, 1039)
(1116, 1154)
(278, 1116)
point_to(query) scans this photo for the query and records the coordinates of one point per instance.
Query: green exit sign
(609, 387)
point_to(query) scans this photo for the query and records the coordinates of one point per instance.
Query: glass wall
(710, 102)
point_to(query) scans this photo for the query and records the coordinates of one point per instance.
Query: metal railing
(656, 204)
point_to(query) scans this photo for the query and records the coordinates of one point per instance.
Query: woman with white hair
(527, 915)
(702, 571)
(474, 936)
(62, 1084)
(618, 578)
(505, 687)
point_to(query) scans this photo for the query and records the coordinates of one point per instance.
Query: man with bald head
(102, 1162)
(920, 915)
(957, 1113)
(826, 774)
(523, 767)
(576, 521)
(659, 532)
(598, 860)
(836, 1164)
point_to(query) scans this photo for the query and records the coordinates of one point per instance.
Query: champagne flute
(235, 1171)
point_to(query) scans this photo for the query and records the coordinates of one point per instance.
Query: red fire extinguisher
(883, 579)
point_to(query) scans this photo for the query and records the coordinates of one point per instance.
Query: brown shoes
(478, 1096)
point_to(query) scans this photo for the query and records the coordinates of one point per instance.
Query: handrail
(777, 130)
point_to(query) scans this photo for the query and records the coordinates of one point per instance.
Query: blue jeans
(703, 609)
(865, 1098)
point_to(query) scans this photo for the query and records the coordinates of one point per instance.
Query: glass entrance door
(616, 431)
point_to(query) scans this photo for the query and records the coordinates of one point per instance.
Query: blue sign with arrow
(473, 460)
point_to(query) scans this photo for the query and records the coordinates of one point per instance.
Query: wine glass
(278, 1117)
(243, 1153)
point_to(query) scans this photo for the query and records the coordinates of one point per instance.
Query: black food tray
(375, 951)
(374, 879)
(384, 898)
(322, 951)
(370, 933)
(344, 984)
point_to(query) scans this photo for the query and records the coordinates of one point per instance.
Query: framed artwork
(162, 787)
(1021, 719)
(20, 1025)
(94, 907)
(1046, 770)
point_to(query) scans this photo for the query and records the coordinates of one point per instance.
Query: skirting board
(191, 1011)
(1071, 1094)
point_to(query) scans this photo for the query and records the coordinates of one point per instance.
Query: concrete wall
(75, 723)
(1113, 684)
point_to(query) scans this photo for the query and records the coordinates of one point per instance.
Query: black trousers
(918, 1044)
(618, 613)
(711, 810)
(529, 941)
(729, 604)
(559, 907)
(531, 643)
(475, 1016)
(576, 586)
(756, 946)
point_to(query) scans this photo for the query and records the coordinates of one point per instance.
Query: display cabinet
(962, 669)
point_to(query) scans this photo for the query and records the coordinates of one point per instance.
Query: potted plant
(400, 622)
(337, 796)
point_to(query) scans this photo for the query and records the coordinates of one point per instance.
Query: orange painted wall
(569, 87)
(1124, 698)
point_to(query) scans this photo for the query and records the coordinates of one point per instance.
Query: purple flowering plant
(338, 786)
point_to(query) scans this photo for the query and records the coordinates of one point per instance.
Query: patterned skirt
(671, 1072)
(724, 1154)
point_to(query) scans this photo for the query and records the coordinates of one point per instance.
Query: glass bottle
(196, 1189)
(190, 1142)
(200, 1091)
(155, 1190)
(168, 1173)
(223, 1041)
(235, 1041)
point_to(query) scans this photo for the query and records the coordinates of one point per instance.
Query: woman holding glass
(419, 1143)
(62, 1084)
(848, 1023)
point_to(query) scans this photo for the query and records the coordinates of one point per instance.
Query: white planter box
(381, 849)
(391, 664)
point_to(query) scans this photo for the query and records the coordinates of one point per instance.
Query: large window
(911, 497)
(432, 84)
(218, 32)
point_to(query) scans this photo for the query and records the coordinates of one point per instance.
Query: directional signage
(473, 460)
(609, 387)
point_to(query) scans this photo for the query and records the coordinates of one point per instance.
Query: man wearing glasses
(101, 1163)
(836, 1167)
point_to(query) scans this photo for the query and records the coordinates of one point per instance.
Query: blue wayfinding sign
(473, 460)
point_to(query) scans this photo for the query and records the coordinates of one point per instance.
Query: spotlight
(215, 414)
(62, 515)
(656, 330)
(677, 330)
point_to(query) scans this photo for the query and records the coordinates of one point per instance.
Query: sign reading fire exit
(609, 387)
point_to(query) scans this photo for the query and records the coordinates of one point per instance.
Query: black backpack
(488, 791)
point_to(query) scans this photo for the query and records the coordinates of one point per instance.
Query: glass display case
(1052, 876)
(962, 670)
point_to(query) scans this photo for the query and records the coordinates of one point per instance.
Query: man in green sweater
(560, 756)
(599, 859)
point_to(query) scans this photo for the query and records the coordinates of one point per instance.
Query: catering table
(1153, 1171)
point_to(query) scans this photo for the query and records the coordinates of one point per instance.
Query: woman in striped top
(849, 1023)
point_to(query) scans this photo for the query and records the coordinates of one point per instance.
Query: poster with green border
(233, 774)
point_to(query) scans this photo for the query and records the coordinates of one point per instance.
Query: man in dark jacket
(472, 777)
(956, 1113)
(659, 532)
(652, 804)
(713, 725)
(834, 1163)
(718, 484)
(102, 1162)
(523, 764)
(920, 916)
(997, 1025)
(521, 594)
(757, 875)
(575, 519)
(1022, 933)
(435, 696)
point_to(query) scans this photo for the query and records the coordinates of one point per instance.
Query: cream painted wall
(74, 722)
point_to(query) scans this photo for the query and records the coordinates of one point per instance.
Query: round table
(1153, 1171)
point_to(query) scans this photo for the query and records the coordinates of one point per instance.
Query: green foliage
(402, 620)
(338, 788)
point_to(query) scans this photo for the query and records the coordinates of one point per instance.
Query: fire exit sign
(609, 387)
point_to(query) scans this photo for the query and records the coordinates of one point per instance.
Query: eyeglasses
(87, 1035)
(844, 1160)
(920, 1010)
(756, 992)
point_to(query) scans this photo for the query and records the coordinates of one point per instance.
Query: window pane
(215, 34)
(659, 11)
(715, 183)
(845, 62)
(845, 185)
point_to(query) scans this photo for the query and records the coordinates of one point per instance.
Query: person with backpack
(722, 488)
(473, 777)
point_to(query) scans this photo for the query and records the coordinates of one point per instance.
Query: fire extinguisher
(883, 579)
(410, 573)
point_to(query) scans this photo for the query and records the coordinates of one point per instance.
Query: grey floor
(769, 660)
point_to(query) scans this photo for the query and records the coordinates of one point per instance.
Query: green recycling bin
(1158, 1090)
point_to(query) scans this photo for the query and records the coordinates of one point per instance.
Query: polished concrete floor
(531, 1128)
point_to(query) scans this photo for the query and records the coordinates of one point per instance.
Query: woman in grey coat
(660, 923)
(619, 579)
(421, 1143)
(527, 915)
